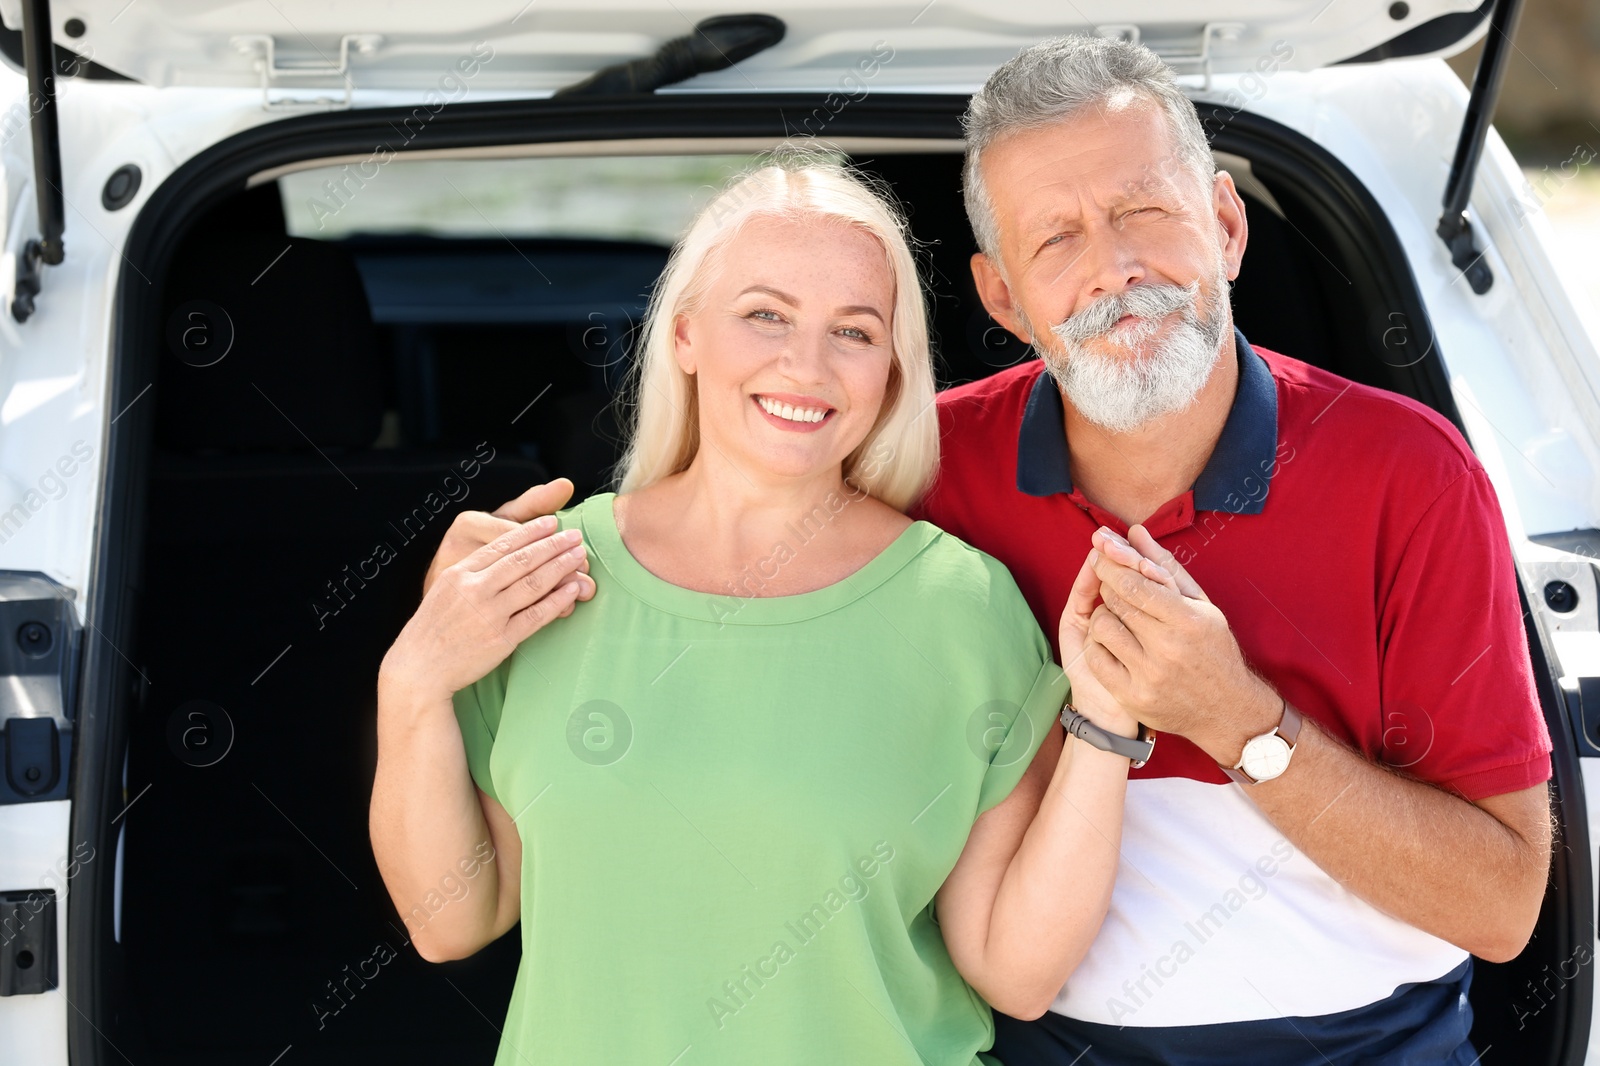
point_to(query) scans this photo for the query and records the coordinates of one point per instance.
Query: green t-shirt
(735, 810)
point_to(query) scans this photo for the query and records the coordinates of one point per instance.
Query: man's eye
(1057, 239)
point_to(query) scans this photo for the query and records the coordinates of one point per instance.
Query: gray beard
(1123, 392)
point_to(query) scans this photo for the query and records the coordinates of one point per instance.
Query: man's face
(1114, 259)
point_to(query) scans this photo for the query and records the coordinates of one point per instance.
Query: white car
(287, 284)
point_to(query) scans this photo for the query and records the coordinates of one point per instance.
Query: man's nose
(1108, 265)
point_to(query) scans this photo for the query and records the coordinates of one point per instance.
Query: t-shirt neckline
(737, 606)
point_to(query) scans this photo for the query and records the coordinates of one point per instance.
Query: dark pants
(1424, 1024)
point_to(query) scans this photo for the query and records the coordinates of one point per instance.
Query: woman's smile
(796, 414)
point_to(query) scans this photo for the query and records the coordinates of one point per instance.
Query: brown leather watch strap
(1288, 728)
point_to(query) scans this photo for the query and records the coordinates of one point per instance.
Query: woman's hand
(1087, 619)
(478, 610)
(1083, 616)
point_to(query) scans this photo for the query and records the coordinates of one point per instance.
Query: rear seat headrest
(303, 361)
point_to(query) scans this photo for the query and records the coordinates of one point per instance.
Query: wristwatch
(1267, 756)
(1137, 749)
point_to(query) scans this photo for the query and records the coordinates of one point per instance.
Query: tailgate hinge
(264, 49)
(1454, 228)
(1191, 56)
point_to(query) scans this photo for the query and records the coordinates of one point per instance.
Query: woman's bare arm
(430, 823)
(1032, 886)
(449, 853)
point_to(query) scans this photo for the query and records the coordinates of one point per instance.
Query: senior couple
(772, 747)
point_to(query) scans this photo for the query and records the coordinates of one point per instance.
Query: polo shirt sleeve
(1459, 705)
(1028, 691)
(478, 713)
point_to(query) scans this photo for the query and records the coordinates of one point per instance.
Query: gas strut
(1454, 229)
(38, 55)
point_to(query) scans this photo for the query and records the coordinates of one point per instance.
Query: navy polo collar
(1235, 478)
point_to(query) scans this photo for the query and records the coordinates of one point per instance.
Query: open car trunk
(372, 44)
(242, 567)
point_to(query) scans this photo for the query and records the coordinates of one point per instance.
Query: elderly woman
(757, 797)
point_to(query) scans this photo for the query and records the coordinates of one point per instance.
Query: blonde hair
(898, 457)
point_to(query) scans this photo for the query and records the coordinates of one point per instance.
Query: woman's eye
(1057, 239)
(856, 334)
(765, 315)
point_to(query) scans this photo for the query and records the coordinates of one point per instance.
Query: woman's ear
(682, 346)
(891, 387)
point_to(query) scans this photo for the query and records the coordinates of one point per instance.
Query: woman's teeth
(792, 413)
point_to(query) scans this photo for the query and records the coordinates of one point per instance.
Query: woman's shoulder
(586, 510)
(964, 600)
(951, 571)
(946, 550)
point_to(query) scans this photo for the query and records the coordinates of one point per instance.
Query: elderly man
(1305, 589)
(1348, 797)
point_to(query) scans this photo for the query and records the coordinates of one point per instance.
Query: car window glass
(650, 198)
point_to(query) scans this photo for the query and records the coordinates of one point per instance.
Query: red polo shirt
(1348, 534)
(1357, 549)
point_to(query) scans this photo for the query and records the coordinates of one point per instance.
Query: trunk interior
(373, 385)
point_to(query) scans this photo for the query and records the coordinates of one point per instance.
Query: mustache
(1148, 302)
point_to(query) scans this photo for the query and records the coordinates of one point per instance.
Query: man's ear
(682, 346)
(1232, 225)
(996, 297)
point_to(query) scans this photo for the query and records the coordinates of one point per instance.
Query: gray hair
(1052, 80)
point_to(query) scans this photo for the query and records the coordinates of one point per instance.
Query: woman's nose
(805, 358)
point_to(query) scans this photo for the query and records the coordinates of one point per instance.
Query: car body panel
(551, 43)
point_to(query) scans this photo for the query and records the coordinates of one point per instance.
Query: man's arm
(1472, 873)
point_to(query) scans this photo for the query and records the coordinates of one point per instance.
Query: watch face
(1266, 757)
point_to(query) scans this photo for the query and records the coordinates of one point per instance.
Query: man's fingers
(512, 539)
(1121, 551)
(530, 619)
(1152, 598)
(1106, 668)
(586, 589)
(1140, 539)
(1107, 629)
(538, 585)
(1122, 607)
(537, 501)
(468, 531)
(541, 565)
